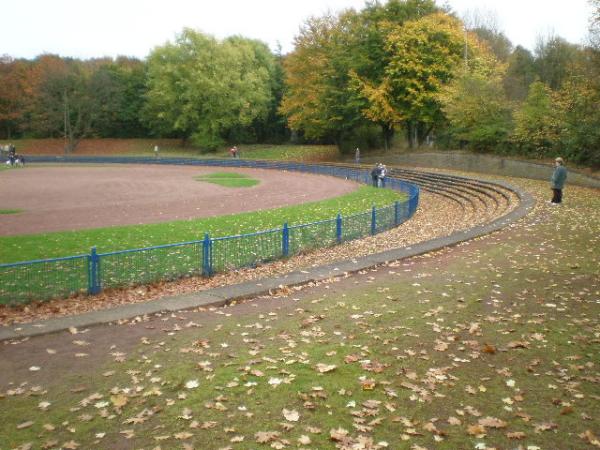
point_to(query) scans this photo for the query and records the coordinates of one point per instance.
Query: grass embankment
(228, 179)
(51, 245)
(10, 211)
(494, 344)
(173, 148)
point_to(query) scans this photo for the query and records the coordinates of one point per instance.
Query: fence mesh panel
(149, 265)
(386, 218)
(356, 226)
(246, 250)
(311, 236)
(42, 280)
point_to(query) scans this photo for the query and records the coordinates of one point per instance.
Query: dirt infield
(60, 198)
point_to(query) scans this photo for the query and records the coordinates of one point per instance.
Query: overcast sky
(94, 28)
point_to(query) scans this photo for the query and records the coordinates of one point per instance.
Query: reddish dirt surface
(63, 198)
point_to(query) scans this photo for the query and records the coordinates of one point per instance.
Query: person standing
(559, 176)
(357, 156)
(375, 175)
(381, 172)
(156, 151)
(382, 175)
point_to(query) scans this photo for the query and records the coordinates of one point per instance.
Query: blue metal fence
(61, 277)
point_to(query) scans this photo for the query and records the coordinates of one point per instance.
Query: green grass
(10, 211)
(51, 245)
(517, 313)
(228, 179)
(253, 152)
(175, 148)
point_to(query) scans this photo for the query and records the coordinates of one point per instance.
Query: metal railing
(27, 281)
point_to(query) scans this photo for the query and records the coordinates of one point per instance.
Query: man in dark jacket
(558, 180)
(375, 175)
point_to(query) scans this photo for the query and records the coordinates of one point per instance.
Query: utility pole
(466, 50)
(65, 106)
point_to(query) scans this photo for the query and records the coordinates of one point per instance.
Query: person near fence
(357, 156)
(559, 176)
(156, 151)
(375, 175)
(382, 174)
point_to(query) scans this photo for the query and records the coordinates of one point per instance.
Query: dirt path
(77, 197)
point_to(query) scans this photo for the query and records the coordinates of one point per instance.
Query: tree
(423, 55)
(520, 73)
(477, 110)
(577, 110)
(316, 95)
(321, 96)
(594, 27)
(537, 124)
(13, 92)
(119, 87)
(484, 24)
(201, 88)
(63, 103)
(554, 60)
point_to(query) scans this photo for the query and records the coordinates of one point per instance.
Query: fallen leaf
(291, 415)
(324, 368)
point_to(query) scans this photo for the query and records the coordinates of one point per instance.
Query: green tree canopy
(201, 88)
(536, 121)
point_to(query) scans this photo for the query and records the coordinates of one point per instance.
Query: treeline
(197, 89)
(409, 69)
(393, 72)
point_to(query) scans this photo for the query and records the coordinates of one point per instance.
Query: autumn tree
(322, 97)
(14, 91)
(65, 99)
(316, 100)
(423, 55)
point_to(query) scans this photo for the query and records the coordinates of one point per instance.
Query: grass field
(228, 179)
(174, 148)
(51, 245)
(492, 344)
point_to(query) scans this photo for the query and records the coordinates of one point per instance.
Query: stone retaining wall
(495, 165)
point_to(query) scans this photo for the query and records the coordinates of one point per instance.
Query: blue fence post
(373, 220)
(207, 256)
(397, 213)
(94, 285)
(285, 240)
(338, 228)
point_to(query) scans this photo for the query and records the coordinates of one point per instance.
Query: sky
(94, 28)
